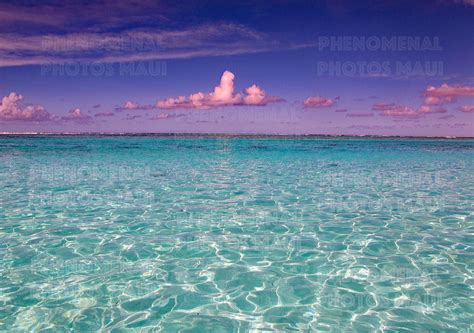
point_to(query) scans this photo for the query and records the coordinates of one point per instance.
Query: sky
(336, 67)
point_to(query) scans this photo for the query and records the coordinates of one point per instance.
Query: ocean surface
(220, 234)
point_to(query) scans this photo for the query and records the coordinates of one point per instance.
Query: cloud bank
(445, 93)
(10, 110)
(223, 94)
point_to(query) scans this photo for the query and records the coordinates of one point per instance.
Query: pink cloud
(424, 109)
(131, 105)
(466, 108)
(77, 116)
(255, 95)
(429, 109)
(394, 110)
(11, 111)
(223, 95)
(400, 111)
(446, 94)
(433, 100)
(318, 102)
(383, 106)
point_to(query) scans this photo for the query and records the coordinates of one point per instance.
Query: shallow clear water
(235, 234)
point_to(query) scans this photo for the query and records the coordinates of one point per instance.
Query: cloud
(383, 106)
(255, 95)
(164, 116)
(446, 94)
(11, 111)
(466, 108)
(76, 115)
(394, 110)
(137, 44)
(223, 95)
(70, 15)
(400, 111)
(161, 116)
(104, 114)
(318, 102)
(430, 109)
(434, 98)
(424, 109)
(131, 105)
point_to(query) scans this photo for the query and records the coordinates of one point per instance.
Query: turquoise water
(236, 234)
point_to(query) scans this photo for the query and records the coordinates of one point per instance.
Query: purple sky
(281, 67)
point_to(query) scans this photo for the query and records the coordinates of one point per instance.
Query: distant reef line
(229, 135)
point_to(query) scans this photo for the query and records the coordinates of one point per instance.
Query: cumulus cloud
(76, 115)
(446, 94)
(466, 108)
(10, 110)
(255, 95)
(223, 95)
(131, 105)
(318, 102)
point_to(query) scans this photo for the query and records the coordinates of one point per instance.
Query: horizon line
(249, 135)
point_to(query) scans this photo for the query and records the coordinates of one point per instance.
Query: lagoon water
(236, 234)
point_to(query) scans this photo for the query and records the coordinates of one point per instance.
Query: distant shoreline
(233, 135)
